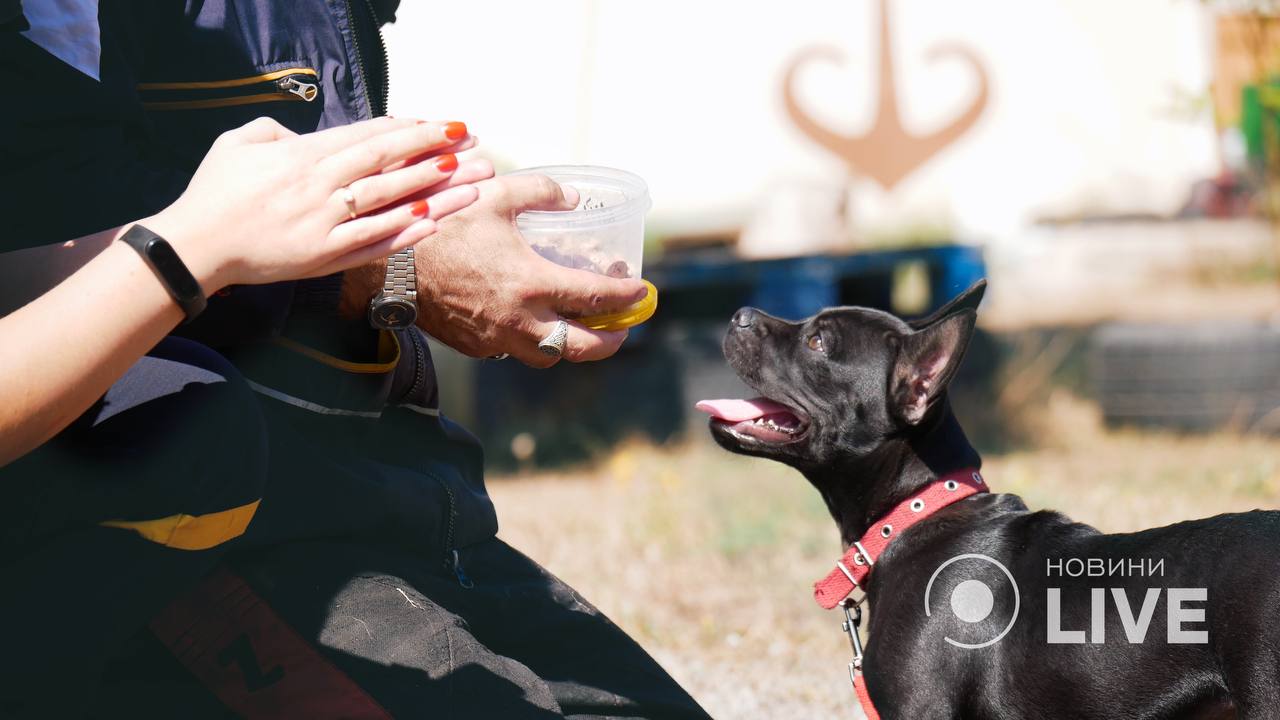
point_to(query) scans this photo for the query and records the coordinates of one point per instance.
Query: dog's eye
(815, 343)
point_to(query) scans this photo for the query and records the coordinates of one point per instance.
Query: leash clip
(852, 621)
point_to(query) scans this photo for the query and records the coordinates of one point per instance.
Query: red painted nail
(447, 163)
(419, 208)
(455, 130)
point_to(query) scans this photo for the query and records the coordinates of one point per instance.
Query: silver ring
(500, 356)
(553, 344)
(349, 198)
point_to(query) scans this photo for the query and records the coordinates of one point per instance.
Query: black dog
(1177, 622)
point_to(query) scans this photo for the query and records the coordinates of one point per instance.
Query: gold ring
(349, 198)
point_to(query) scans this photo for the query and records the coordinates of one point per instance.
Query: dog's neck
(860, 490)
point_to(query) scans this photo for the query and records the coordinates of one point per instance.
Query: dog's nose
(744, 317)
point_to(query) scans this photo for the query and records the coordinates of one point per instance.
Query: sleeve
(75, 158)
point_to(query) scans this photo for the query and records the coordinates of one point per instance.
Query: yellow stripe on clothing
(219, 102)
(236, 82)
(388, 355)
(192, 532)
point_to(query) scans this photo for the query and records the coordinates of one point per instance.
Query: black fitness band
(173, 274)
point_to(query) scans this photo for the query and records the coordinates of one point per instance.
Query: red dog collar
(853, 568)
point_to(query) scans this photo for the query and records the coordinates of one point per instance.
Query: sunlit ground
(707, 558)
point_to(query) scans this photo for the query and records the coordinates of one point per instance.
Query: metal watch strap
(396, 307)
(401, 280)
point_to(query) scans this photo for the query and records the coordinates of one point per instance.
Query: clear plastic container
(603, 234)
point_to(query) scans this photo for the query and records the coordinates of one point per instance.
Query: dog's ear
(967, 300)
(927, 360)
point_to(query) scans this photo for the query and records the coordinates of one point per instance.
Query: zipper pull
(461, 574)
(305, 90)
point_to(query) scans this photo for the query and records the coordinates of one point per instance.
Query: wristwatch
(396, 307)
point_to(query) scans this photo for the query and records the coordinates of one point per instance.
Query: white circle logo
(972, 600)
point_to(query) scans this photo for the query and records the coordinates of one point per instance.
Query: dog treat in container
(603, 234)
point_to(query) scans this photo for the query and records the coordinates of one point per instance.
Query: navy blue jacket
(80, 153)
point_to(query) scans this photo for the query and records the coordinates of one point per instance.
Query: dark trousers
(183, 433)
(517, 643)
(75, 591)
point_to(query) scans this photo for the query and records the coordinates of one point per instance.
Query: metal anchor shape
(887, 152)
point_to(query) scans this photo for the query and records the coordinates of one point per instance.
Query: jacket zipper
(419, 367)
(385, 90)
(451, 559)
(300, 84)
(380, 108)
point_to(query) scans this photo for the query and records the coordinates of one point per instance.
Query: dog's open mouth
(760, 419)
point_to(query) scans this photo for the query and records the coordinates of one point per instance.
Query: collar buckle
(863, 557)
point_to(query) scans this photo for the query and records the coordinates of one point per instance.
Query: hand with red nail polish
(279, 206)
(265, 205)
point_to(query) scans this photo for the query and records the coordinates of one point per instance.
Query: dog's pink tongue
(736, 411)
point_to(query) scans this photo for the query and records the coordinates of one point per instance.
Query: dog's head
(839, 385)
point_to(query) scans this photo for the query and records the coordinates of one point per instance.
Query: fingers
(371, 155)
(263, 129)
(468, 172)
(583, 294)
(369, 229)
(447, 202)
(328, 142)
(586, 345)
(462, 145)
(375, 191)
(408, 237)
(581, 344)
(518, 193)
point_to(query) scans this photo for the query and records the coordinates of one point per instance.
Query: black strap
(173, 273)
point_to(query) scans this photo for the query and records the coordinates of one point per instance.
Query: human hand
(483, 291)
(268, 205)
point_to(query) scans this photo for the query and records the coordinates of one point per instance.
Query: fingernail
(455, 130)
(571, 195)
(419, 208)
(447, 163)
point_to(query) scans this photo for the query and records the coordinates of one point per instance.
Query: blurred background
(1112, 168)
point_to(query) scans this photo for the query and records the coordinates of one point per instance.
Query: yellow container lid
(630, 317)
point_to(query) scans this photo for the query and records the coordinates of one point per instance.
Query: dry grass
(707, 558)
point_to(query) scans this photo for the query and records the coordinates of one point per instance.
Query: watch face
(392, 313)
